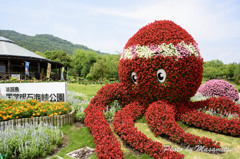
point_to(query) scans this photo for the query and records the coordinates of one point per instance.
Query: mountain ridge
(44, 42)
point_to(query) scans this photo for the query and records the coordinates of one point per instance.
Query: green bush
(80, 116)
(80, 102)
(111, 110)
(89, 77)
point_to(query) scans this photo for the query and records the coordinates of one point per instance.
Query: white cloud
(207, 21)
(203, 18)
(106, 26)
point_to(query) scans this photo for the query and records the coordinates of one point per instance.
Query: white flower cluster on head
(181, 50)
(192, 48)
(169, 50)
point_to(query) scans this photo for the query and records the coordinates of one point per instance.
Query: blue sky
(106, 25)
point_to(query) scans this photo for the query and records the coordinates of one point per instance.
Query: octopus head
(161, 62)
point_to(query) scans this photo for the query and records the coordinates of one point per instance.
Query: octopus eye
(134, 77)
(161, 75)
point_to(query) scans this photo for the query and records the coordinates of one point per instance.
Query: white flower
(128, 53)
(165, 50)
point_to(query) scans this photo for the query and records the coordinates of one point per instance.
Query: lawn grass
(90, 90)
(226, 141)
(81, 137)
(78, 138)
(204, 80)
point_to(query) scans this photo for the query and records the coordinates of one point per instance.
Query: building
(13, 59)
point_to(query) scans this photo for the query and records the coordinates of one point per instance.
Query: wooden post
(61, 120)
(59, 73)
(39, 66)
(4, 124)
(58, 120)
(64, 119)
(56, 76)
(34, 120)
(41, 119)
(55, 120)
(19, 121)
(39, 70)
(9, 67)
(26, 121)
(52, 120)
(67, 73)
(1, 125)
(23, 121)
(48, 119)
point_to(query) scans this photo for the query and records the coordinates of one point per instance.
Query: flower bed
(223, 105)
(107, 145)
(29, 140)
(161, 120)
(21, 112)
(11, 109)
(124, 126)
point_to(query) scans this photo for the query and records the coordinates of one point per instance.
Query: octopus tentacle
(221, 105)
(107, 145)
(161, 119)
(124, 126)
(212, 123)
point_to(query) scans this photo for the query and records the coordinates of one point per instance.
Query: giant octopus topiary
(160, 70)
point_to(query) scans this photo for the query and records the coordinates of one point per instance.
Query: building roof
(9, 48)
(5, 39)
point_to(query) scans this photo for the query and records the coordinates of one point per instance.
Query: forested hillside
(43, 42)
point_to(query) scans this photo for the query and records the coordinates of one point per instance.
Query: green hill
(43, 42)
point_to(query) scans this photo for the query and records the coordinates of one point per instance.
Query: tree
(237, 74)
(40, 54)
(83, 60)
(58, 56)
(210, 72)
(232, 69)
(99, 69)
(213, 63)
(214, 69)
(112, 66)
